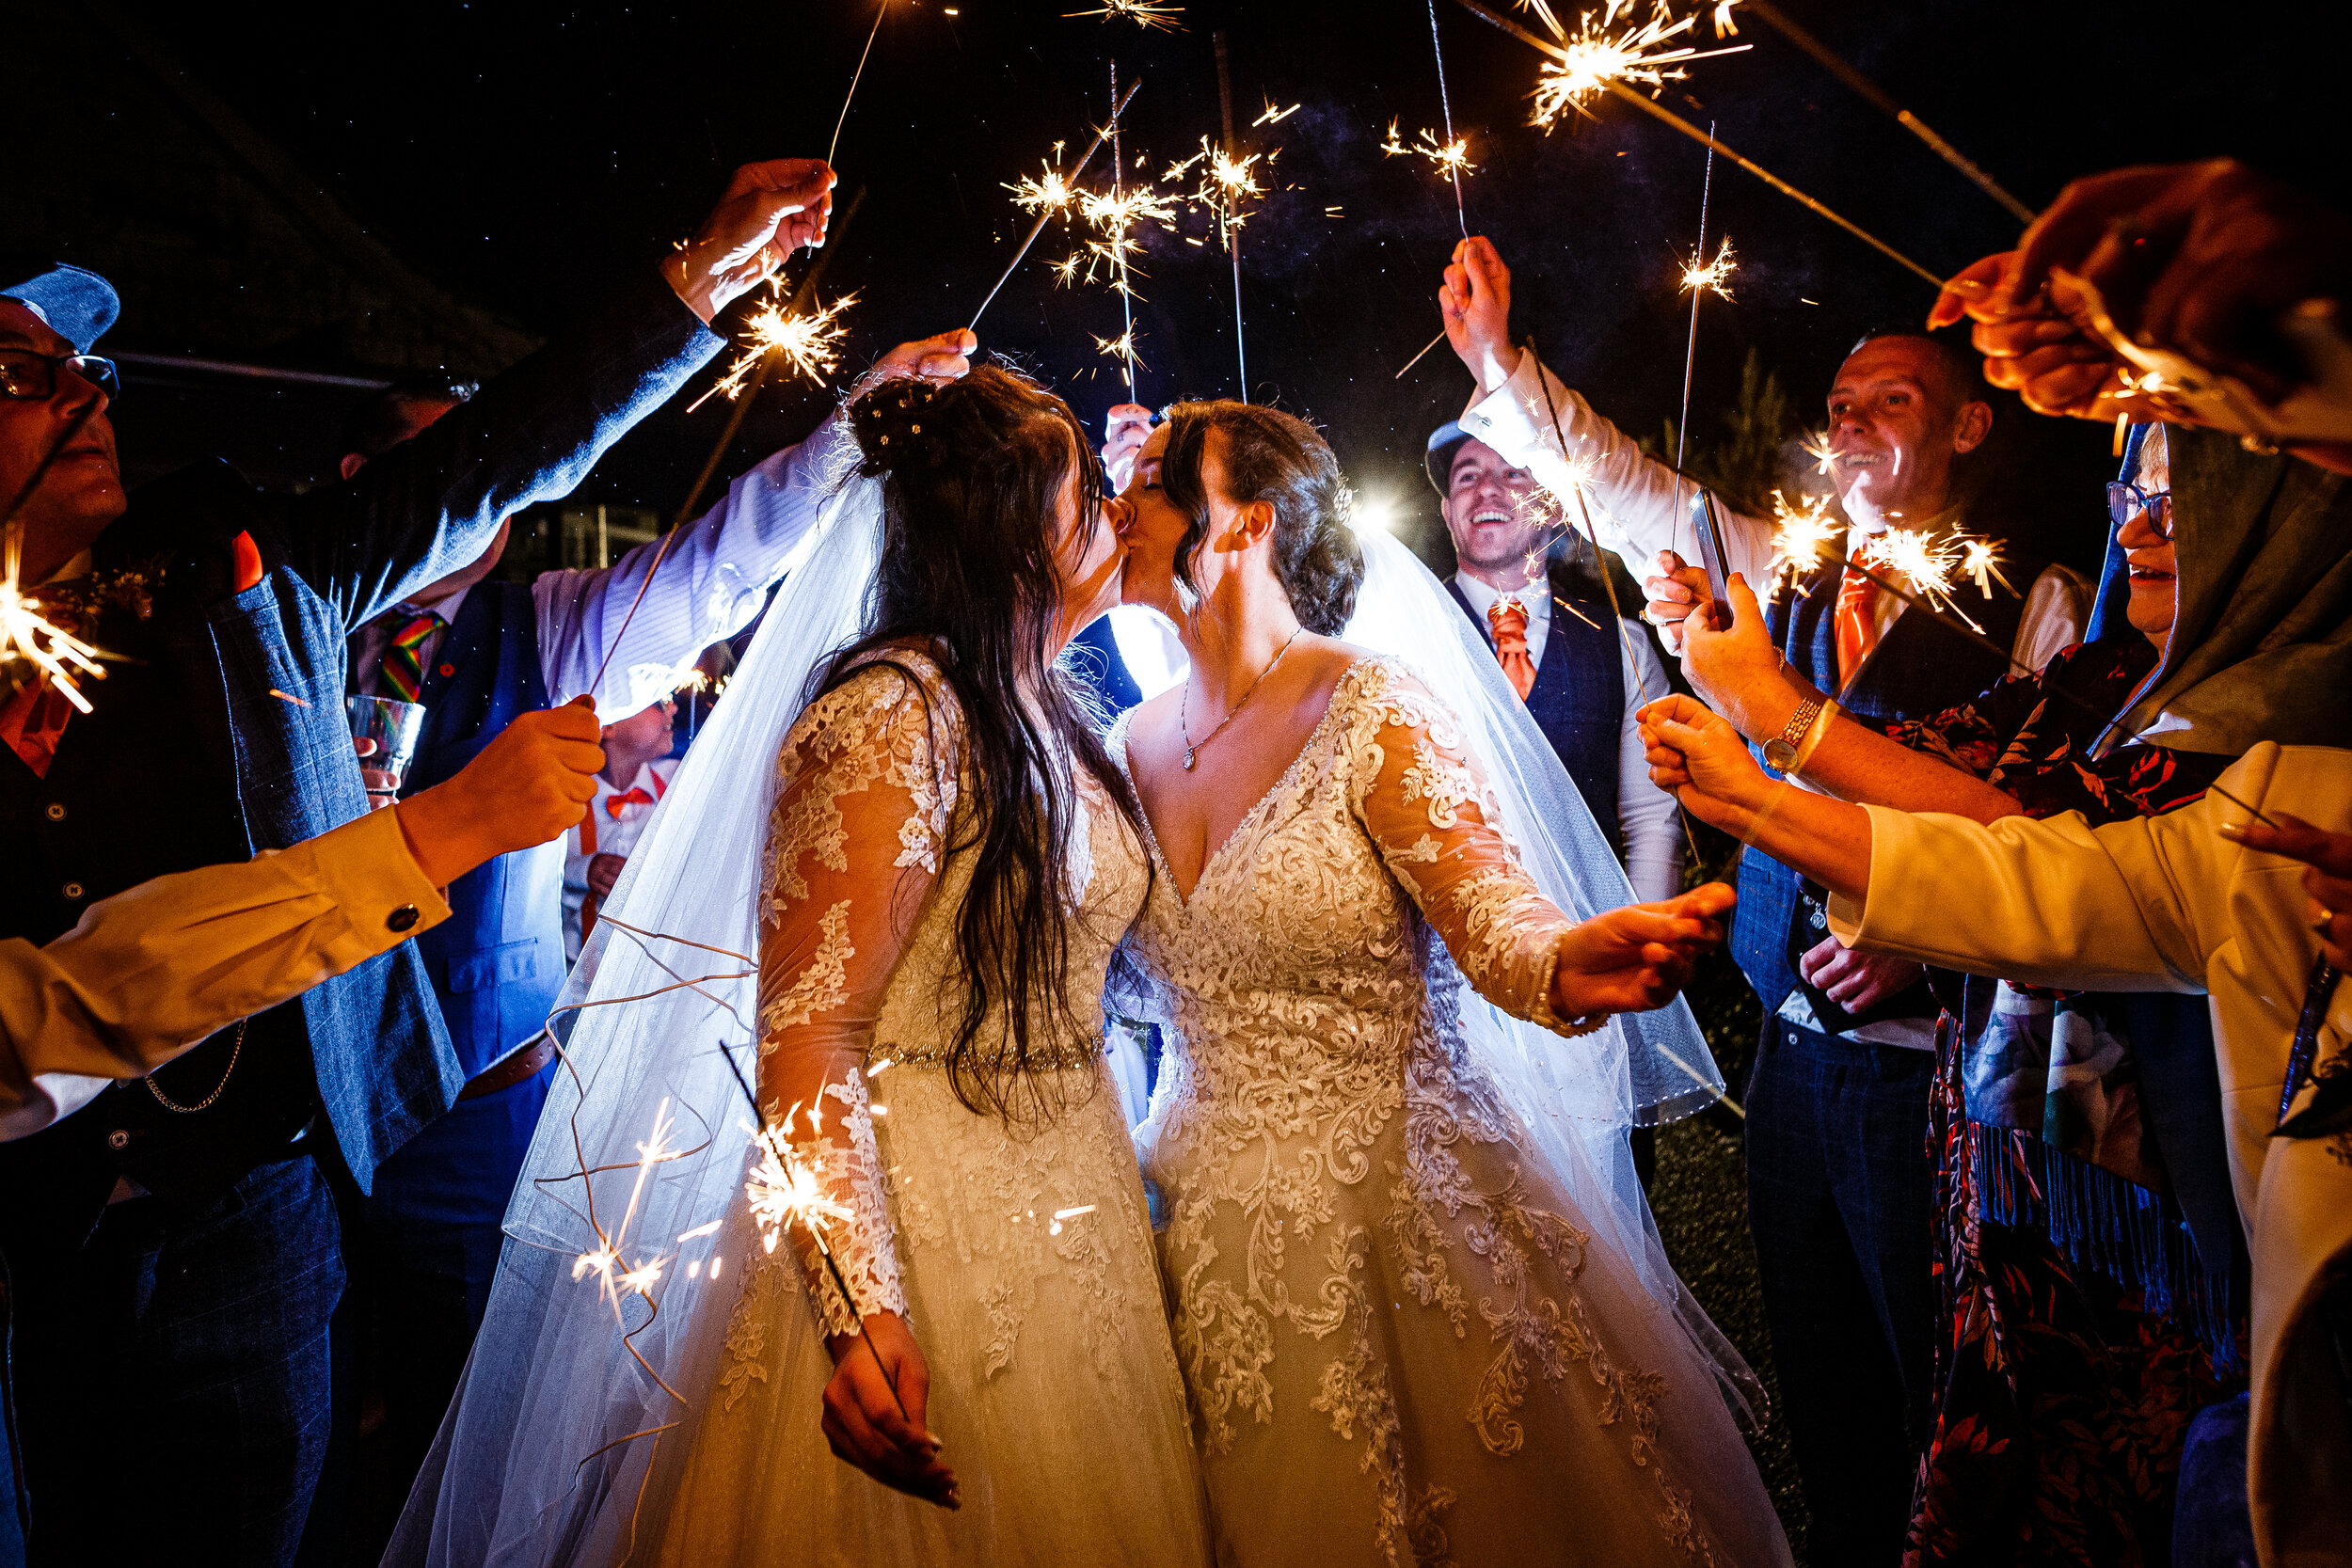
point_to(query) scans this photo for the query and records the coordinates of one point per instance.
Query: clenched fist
(532, 781)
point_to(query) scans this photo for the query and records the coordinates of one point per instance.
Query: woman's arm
(1743, 677)
(1426, 805)
(1696, 753)
(859, 827)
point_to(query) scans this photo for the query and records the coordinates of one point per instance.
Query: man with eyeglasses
(172, 1247)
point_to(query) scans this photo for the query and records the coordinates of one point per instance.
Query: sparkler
(806, 342)
(605, 1261)
(1879, 99)
(879, 11)
(1146, 14)
(1612, 84)
(1816, 447)
(27, 636)
(1597, 58)
(1119, 240)
(1703, 277)
(785, 1189)
(1452, 157)
(1045, 212)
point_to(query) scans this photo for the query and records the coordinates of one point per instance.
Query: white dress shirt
(1647, 818)
(604, 831)
(1640, 507)
(2165, 903)
(712, 582)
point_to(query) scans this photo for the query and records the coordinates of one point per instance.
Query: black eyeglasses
(34, 376)
(2124, 500)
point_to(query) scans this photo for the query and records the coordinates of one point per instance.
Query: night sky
(527, 154)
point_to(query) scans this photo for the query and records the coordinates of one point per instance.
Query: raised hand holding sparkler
(769, 211)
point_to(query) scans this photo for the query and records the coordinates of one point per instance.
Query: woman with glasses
(2085, 1230)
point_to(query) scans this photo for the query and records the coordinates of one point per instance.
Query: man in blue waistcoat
(172, 1247)
(1580, 669)
(474, 652)
(1839, 1180)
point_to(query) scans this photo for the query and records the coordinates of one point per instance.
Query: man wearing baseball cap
(173, 1247)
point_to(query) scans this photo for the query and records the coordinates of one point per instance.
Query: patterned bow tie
(615, 805)
(1507, 620)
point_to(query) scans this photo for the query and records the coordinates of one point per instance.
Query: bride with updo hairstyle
(1419, 1306)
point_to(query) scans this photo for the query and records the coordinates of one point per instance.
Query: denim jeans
(170, 1376)
(1840, 1198)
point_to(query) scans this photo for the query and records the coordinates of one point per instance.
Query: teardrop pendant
(1187, 759)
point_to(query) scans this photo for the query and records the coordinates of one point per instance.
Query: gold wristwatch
(1781, 751)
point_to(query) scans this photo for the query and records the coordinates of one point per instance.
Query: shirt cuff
(365, 870)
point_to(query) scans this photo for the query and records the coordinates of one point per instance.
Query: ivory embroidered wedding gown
(1019, 1255)
(1403, 1342)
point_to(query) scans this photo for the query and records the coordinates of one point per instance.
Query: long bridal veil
(604, 1327)
(607, 1324)
(1575, 1097)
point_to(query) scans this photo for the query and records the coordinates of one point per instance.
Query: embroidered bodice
(869, 855)
(1325, 1144)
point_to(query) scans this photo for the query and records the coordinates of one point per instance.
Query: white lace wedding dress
(1403, 1342)
(1019, 1254)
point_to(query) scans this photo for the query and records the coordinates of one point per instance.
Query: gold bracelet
(1814, 733)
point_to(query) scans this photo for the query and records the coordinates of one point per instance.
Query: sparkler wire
(1879, 99)
(1669, 117)
(880, 11)
(1126, 296)
(1640, 684)
(1445, 103)
(1038, 228)
(1232, 224)
(1691, 350)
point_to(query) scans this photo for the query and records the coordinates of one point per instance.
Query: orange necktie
(1507, 619)
(1856, 625)
(31, 723)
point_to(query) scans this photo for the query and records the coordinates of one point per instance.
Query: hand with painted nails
(1127, 428)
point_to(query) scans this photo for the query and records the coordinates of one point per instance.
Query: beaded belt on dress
(1055, 1056)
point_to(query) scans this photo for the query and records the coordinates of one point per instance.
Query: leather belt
(511, 1071)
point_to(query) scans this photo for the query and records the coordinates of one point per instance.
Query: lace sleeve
(1420, 796)
(866, 787)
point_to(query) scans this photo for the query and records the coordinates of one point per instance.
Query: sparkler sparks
(1146, 14)
(1803, 536)
(1600, 52)
(1816, 447)
(1700, 275)
(785, 1189)
(1051, 194)
(1451, 158)
(1274, 116)
(1122, 348)
(605, 1261)
(29, 637)
(807, 344)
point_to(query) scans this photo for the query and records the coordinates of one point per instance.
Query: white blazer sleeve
(1638, 505)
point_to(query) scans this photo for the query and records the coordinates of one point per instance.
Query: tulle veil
(610, 1312)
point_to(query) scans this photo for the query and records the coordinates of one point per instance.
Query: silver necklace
(1184, 706)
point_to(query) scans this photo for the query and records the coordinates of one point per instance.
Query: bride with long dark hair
(949, 858)
(1421, 1308)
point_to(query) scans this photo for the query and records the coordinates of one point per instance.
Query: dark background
(509, 160)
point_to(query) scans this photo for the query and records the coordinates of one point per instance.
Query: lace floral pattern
(1328, 1159)
(860, 989)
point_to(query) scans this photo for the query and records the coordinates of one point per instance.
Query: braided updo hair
(972, 474)
(1278, 458)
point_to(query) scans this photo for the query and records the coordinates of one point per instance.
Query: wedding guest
(2207, 260)
(636, 773)
(160, 967)
(2204, 898)
(172, 1247)
(1838, 1173)
(474, 651)
(2085, 1227)
(1582, 672)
